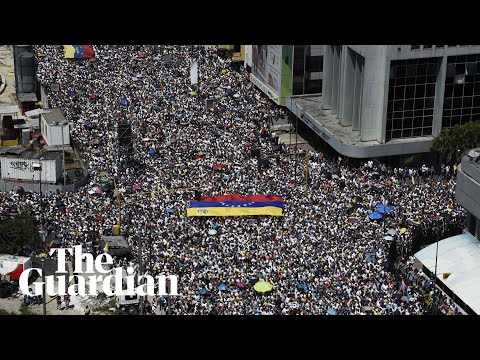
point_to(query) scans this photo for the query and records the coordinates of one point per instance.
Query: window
(411, 96)
(462, 90)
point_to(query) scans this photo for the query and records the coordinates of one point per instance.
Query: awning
(460, 256)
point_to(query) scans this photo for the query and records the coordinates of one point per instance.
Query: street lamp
(62, 124)
(38, 166)
(438, 218)
(43, 289)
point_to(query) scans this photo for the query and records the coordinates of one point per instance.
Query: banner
(236, 205)
(78, 51)
(194, 73)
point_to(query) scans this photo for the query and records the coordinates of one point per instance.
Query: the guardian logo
(122, 285)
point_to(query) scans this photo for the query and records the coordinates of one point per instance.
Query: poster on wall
(267, 65)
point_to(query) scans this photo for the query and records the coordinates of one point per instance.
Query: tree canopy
(451, 143)
(16, 234)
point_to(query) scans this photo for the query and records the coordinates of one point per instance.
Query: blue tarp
(382, 210)
(375, 216)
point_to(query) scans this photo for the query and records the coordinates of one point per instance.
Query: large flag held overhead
(236, 205)
(79, 51)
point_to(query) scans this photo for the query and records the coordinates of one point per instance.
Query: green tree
(16, 234)
(451, 143)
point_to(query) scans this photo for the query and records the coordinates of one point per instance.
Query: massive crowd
(323, 256)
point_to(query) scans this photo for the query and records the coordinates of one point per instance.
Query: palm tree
(451, 143)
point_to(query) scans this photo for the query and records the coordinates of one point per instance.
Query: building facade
(382, 100)
(282, 71)
(467, 191)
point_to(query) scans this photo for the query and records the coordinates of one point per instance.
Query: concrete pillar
(439, 93)
(375, 90)
(348, 93)
(327, 78)
(357, 95)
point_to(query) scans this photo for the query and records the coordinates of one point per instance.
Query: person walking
(66, 298)
(87, 310)
(59, 302)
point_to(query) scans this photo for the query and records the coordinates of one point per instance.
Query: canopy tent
(458, 256)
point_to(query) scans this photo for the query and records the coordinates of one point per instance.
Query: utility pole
(63, 153)
(436, 263)
(44, 295)
(306, 172)
(140, 270)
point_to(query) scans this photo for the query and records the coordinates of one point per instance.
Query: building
(281, 71)
(458, 257)
(467, 191)
(235, 52)
(373, 100)
(51, 121)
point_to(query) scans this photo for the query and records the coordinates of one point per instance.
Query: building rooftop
(345, 140)
(27, 97)
(53, 116)
(471, 163)
(27, 154)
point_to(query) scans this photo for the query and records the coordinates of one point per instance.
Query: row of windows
(417, 47)
(410, 123)
(411, 91)
(451, 121)
(461, 102)
(411, 97)
(408, 133)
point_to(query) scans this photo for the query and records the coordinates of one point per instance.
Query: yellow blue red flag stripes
(78, 51)
(236, 205)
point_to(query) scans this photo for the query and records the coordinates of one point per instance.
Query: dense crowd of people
(324, 255)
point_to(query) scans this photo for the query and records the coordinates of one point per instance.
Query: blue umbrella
(222, 287)
(302, 287)
(124, 102)
(375, 216)
(87, 123)
(381, 209)
(331, 312)
(72, 93)
(388, 238)
(170, 211)
(151, 151)
(202, 291)
(229, 91)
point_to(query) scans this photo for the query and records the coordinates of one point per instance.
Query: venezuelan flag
(78, 51)
(236, 205)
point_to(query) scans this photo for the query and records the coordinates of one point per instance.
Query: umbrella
(262, 287)
(87, 123)
(236, 95)
(170, 211)
(219, 167)
(381, 209)
(302, 287)
(212, 232)
(402, 230)
(202, 291)
(146, 139)
(240, 284)
(124, 102)
(152, 151)
(352, 220)
(222, 287)
(388, 238)
(392, 232)
(331, 312)
(72, 93)
(375, 216)
(93, 96)
(141, 55)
